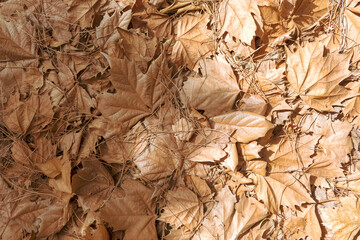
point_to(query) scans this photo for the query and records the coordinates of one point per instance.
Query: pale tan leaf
(342, 221)
(248, 211)
(193, 40)
(216, 91)
(198, 185)
(293, 154)
(323, 167)
(280, 189)
(336, 141)
(245, 126)
(62, 183)
(315, 74)
(240, 19)
(109, 24)
(183, 208)
(232, 160)
(133, 213)
(157, 160)
(250, 150)
(215, 224)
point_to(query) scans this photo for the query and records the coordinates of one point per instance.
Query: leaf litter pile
(152, 119)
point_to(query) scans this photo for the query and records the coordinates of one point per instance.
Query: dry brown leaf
(323, 167)
(215, 224)
(134, 213)
(336, 142)
(248, 211)
(342, 222)
(240, 19)
(45, 217)
(107, 29)
(250, 150)
(242, 126)
(216, 91)
(18, 114)
(17, 41)
(232, 160)
(93, 185)
(138, 93)
(193, 40)
(183, 208)
(280, 189)
(315, 74)
(293, 154)
(158, 160)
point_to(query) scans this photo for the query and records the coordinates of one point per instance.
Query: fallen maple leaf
(216, 91)
(342, 221)
(93, 185)
(193, 40)
(241, 19)
(183, 208)
(280, 189)
(132, 213)
(318, 83)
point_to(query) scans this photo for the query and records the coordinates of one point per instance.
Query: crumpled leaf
(45, 217)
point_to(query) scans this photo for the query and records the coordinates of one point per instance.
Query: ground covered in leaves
(203, 120)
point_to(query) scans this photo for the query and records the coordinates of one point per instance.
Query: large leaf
(193, 40)
(138, 93)
(343, 221)
(245, 126)
(133, 213)
(183, 208)
(280, 189)
(16, 41)
(216, 91)
(315, 74)
(93, 185)
(240, 19)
